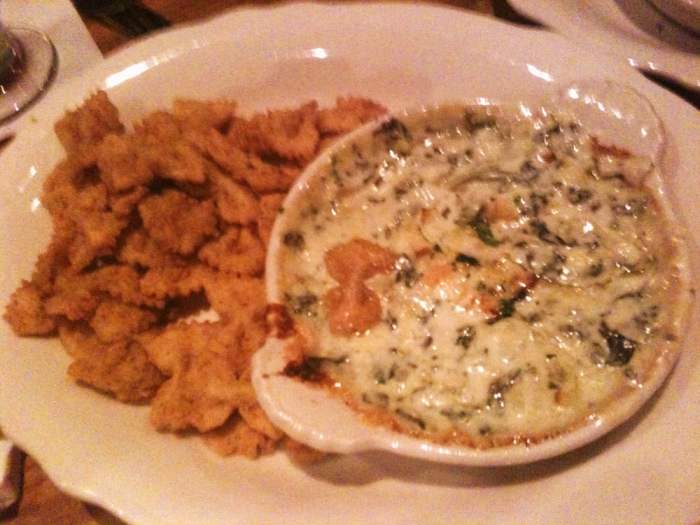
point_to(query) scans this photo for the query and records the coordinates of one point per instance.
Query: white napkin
(76, 51)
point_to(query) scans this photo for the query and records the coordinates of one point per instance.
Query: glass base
(31, 75)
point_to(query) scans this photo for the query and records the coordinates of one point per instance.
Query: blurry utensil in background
(130, 17)
(28, 63)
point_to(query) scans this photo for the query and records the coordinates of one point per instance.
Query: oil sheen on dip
(533, 276)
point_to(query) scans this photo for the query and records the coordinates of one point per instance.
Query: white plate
(404, 55)
(631, 29)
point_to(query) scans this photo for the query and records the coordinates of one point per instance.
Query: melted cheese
(533, 283)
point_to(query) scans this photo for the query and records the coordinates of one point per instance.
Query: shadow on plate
(650, 20)
(374, 466)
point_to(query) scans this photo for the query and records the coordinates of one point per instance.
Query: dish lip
(66, 476)
(267, 379)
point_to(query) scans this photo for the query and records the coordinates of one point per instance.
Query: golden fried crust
(73, 188)
(270, 206)
(158, 126)
(78, 339)
(53, 260)
(74, 305)
(178, 222)
(238, 251)
(96, 236)
(289, 134)
(243, 333)
(173, 281)
(114, 320)
(235, 203)
(197, 114)
(244, 166)
(138, 249)
(201, 391)
(76, 296)
(264, 177)
(89, 124)
(353, 307)
(348, 113)
(79, 204)
(233, 297)
(214, 146)
(178, 161)
(122, 164)
(26, 313)
(122, 282)
(121, 369)
(123, 203)
(358, 258)
(237, 437)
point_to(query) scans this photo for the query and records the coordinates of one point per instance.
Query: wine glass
(28, 62)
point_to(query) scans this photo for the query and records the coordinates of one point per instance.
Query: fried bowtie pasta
(154, 225)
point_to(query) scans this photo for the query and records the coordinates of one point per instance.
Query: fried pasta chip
(53, 260)
(178, 222)
(158, 127)
(73, 188)
(270, 206)
(122, 282)
(214, 146)
(96, 235)
(114, 320)
(254, 336)
(26, 312)
(79, 204)
(289, 134)
(76, 296)
(121, 368)
(179, 161)
(264, 177)
(197, 114)
(139, 249)
(74, 304)
(235, 297)
(89, 124)
(173, 281)
(348, 113)
(244, 166)
(123, 203)
(201, 391)
(122, 163)
(237, 251)
(235, 203)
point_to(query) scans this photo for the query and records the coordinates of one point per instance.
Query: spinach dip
(480, 276)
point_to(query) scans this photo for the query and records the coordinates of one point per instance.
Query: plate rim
(653, 62)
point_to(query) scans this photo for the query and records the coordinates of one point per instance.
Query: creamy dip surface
(528, 276)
